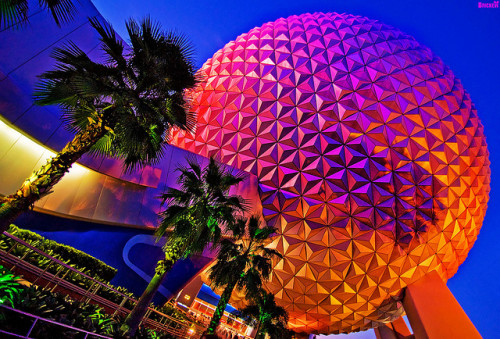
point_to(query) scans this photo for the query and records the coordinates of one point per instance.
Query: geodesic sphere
(370, 158)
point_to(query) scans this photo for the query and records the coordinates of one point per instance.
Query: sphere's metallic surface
(371, 160)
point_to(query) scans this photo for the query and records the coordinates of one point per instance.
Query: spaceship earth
(370, 157)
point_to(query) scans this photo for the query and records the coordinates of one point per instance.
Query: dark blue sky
(465, 37)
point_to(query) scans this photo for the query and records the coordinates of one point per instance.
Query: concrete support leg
(395, 330)
(434, 313)
(190, 291)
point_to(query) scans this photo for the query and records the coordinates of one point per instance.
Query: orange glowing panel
(370, 157)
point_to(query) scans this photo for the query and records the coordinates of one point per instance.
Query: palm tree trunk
(258, 333)
(172, 254)
(221, 306)
(41, 182)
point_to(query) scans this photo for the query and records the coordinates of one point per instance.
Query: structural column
(433, 311)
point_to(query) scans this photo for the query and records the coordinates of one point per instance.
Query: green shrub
(168, 310)
(67, 254)
(64, 310)
(10, 288)
(47, 304)
(117, 298)
(57, 307)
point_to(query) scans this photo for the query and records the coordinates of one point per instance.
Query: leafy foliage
(196, 214)
(53, 306)
(10, 288)
(136, 93)
(201, 207)
(78, 259)
(60, 308)
(67, 254)
(64, 310)
(14, 12)
(242, 264)
(168, 310)
(246, 261)
(271, 319)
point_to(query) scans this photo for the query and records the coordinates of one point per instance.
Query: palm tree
(241, 264)
(122, 107)
(271, 318)
(13, 12)
(197, 215)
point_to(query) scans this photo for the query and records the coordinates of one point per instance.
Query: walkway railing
(166, 323)
(36, 320)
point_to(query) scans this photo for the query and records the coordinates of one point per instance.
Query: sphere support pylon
(433, 311)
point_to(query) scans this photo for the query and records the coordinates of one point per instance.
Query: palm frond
(74, 81)
(185, 47)
(62, 10)
(238, 227)
(262, 265)
(194, 167)
(251, 282)
(192, 212)
(272, 318)
(269, 252)
(13, 12)
(103, 147)
(244, 260)
(111, 45)
(139, 145)
(174, 217)
(135, 91)
(264, 232)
